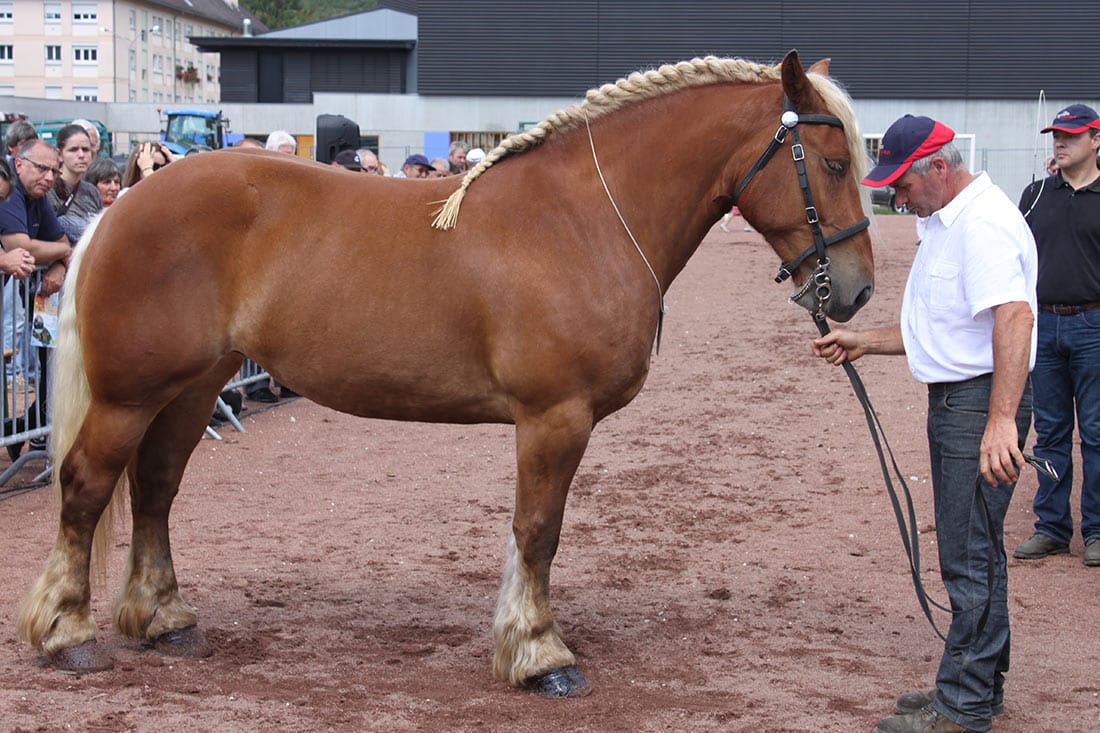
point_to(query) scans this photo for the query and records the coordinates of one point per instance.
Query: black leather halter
(789, 123)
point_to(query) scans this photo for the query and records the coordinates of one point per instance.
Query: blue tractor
(189, 128)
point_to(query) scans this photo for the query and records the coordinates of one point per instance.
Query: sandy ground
(729, 559)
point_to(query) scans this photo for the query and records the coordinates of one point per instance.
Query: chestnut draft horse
(538, 306)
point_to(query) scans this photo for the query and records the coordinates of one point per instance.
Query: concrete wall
(1006, 139)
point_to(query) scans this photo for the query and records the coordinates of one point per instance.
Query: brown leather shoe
(925, 720)
(912, 702)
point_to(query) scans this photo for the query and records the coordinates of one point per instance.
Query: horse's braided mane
(636, 87)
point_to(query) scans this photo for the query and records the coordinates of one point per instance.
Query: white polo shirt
(975, 253)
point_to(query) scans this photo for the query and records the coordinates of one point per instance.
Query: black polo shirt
(1066, 225)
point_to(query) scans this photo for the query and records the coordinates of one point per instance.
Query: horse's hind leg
(56, 614)
(149, 607)
(529, 647)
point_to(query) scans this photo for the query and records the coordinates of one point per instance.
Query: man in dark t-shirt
(1063, 212)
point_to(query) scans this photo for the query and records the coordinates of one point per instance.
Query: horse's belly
(407, 395)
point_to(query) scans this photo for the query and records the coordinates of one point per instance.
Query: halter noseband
(819, 280)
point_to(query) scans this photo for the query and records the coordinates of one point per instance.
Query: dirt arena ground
(729, 559)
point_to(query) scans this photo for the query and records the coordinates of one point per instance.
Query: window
(7, 90)
(5, 12)
(133, 61)
(7, 52)
(85, 94)
(158, 25)
(158, 64)
(85, 55)
(53, 54)
(483, 140)
(53, 92)
(85, 13)
(53, 13)
(133, 20)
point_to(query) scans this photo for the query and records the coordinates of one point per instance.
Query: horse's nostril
(864, 296)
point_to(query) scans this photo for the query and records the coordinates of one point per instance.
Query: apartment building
(115, 50)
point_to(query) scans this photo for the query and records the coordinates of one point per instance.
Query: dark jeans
(973, 664)
(1067, 385)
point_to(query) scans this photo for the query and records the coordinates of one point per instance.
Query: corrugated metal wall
(364, 71)
(937, 49)
(239, 76)
(507, 48)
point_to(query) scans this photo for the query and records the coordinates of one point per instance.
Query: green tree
(285, 13)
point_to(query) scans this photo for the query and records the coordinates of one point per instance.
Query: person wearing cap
(348, 159)
(967, 329)
(415, 166)
(1063, 211)
(475, 156)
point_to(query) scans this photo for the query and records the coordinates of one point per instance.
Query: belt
(1068, 310)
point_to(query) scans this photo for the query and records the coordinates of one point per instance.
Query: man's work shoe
(1039, 546)
(263, 394)
(912, 702)
(1092, 552)
(925, 720)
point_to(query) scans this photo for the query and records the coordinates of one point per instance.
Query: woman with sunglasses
(74, 200)
(145, 160)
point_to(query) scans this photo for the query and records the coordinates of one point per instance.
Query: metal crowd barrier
(23, 418)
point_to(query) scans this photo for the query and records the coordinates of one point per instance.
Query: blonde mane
(642, 85)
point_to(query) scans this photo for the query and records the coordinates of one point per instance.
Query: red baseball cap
(1074, 119)
(908, 139)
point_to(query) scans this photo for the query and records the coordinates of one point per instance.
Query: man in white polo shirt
(968, 331)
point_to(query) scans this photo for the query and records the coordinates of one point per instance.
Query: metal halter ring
(821, 284)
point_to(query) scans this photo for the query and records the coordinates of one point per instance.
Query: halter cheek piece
(819, 280)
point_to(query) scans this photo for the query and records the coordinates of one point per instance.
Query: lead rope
(661, 309)
(909, 535)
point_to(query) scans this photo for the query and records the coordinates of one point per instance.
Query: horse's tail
(70, 397)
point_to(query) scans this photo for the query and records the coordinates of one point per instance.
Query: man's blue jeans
(1067, 382)
(969, 539)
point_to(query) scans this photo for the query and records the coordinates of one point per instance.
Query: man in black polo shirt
(1064, 214)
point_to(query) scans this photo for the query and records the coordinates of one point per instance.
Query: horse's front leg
(529, 648)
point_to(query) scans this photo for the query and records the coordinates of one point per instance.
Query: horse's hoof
(87, 657)
(187, 642)
(560, 682)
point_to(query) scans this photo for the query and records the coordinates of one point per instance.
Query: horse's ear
(821, 67)
(795, 84)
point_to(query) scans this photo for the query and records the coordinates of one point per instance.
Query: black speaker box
(334, 133)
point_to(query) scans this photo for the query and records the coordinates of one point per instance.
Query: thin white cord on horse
(1040, 116)
(592, 144)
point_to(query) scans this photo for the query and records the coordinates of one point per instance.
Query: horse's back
(334, 282)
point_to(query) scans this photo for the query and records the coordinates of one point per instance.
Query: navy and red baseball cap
(908, 139)
(1074, 119)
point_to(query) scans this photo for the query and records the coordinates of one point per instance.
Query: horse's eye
(837, 166)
